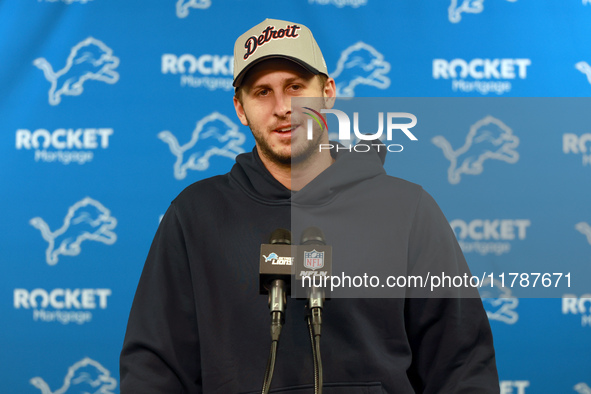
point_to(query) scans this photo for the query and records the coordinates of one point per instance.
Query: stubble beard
(305, 151)
(309, 149)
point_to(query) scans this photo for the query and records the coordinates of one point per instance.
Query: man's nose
(282, 105)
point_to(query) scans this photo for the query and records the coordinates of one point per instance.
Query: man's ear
(240, 111)
(330, 93)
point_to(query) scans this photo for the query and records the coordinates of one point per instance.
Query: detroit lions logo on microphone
(271, 257)
(275, 259)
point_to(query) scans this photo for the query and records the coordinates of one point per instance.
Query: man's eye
(296, 87)
(263, 92)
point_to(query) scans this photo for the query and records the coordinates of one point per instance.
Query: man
(197, 322)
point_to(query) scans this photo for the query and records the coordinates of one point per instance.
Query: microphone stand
(277, 301)
(277, 304)
(315, 304)
(316, 297)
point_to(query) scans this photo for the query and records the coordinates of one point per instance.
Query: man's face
(265, 106)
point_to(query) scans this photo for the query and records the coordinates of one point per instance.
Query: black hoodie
(199, 325)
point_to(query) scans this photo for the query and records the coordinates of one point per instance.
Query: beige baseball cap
(276, 38)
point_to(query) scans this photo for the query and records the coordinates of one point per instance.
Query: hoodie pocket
(331, 388)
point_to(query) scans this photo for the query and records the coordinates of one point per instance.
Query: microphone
(312, 268)
(274, 279)
(315, 255)
(275, 270)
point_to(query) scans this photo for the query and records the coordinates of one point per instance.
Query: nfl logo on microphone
(313, 260)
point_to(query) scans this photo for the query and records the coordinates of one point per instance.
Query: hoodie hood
(349, 169)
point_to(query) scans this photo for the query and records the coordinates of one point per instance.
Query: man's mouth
(286, 129)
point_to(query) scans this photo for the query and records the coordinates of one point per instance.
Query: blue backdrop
(102, 105)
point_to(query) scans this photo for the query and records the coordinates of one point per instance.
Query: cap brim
(305, 65)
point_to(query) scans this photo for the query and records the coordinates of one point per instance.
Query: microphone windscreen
(312, 236)
(280, 236)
